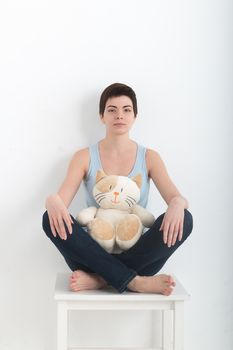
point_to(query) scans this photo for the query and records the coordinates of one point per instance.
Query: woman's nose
(119, 115)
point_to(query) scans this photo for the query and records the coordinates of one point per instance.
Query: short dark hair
(115, 90)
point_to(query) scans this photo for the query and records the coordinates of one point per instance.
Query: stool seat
(109, 299)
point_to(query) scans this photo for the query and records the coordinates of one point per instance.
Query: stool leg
(167, 330)
(62, 325)
(178, 325)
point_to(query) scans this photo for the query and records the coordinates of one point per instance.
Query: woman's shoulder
(81, 153)
(152, 154)
(152, 159)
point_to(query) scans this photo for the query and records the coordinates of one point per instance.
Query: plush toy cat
(118, 223)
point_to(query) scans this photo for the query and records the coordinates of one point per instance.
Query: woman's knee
(188, 222)
(46, 223)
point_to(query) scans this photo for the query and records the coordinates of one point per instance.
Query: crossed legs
(95, 268)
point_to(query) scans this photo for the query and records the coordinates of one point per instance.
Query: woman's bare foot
(161, 284)
(80, 280)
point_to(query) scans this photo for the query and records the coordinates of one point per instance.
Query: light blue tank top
(138, 168)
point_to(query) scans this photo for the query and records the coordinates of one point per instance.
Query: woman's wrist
(179, 200)
(50, 199)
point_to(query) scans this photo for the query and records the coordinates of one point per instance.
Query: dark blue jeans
(145, 258)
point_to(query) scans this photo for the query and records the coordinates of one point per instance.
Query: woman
(135, 269)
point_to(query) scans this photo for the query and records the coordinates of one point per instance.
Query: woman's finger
(170, 235)
(165, 232)
(52, 227)
(56, 225)
(161, 227)
(176, 232)
(68, 222)
(62, 228)
(67, 219)
(180, 231)
(69, 226)
(174, 238)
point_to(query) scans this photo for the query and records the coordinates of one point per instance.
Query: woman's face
(118, 114)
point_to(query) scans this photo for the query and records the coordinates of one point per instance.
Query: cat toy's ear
(100, 175)
(138, 180)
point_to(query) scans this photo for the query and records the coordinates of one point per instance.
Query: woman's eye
(127, 110)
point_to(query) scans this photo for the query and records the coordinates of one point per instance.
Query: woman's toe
(171, 281)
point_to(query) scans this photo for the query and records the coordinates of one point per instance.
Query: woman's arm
(172, 224)
(58, 203)
(159, 175)
(77, 170)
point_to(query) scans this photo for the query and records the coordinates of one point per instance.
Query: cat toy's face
(118, 192)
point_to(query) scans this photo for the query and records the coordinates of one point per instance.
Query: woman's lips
(119, 124)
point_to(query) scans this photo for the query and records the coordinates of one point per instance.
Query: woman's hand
(172, 224)
(58, 215)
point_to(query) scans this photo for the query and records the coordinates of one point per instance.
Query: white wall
(56, 58)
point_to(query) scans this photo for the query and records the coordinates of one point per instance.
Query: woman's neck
(118, 144)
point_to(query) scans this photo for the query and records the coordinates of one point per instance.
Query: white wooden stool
(109, 299)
